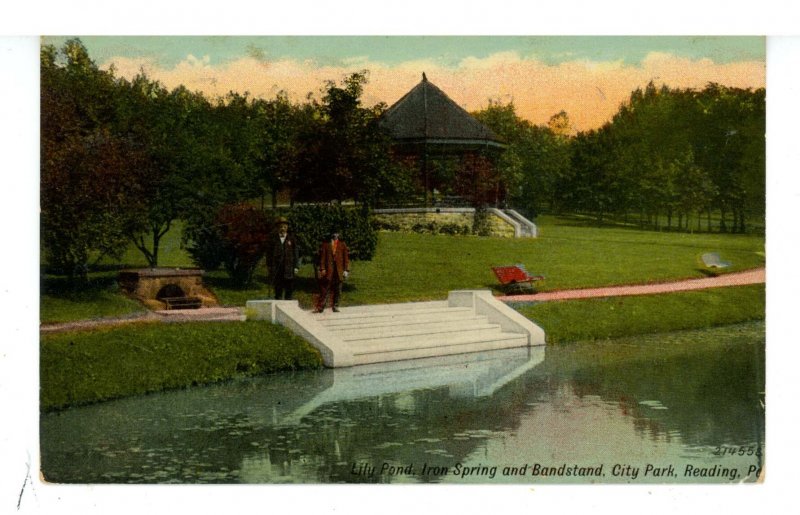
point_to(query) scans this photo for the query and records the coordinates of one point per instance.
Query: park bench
(516, 279)
(182, 302)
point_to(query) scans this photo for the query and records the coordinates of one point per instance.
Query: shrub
(311, 224)
(434, 227)
(204, 244)
(387, 225)
(454, 229)
(244, 230)
(481, 226)
(235, 237)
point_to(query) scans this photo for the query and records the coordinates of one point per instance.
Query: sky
(588, 77)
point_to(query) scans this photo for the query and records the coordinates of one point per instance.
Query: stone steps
(347, 319)
(469, 321)
(460, 343)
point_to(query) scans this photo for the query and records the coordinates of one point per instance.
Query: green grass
(100, 298)
(412, 267)
(418, 267)
(90, 366)
(614, 317)
(170, 251)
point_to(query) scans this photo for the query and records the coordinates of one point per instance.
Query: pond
(683, 407)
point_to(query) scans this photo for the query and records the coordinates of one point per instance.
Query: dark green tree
(344, 153)
(93, 179)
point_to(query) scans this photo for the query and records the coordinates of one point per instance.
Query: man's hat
(281, 220)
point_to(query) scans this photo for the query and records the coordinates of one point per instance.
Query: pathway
(178, 315)
(756, 276)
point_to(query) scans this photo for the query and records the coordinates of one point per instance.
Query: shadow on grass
(64, 287)
(588, 221)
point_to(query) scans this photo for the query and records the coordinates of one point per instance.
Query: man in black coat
(283, 260)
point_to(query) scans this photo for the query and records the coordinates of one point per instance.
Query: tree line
(666, 156)
(122, 160)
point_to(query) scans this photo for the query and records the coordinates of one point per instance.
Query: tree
(147, 114)
(535, 162)
(92, 179)
(344, 152)
(730, 145)
(560, 125)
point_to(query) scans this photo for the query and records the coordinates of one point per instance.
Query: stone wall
(452, 220)
(145, 284)
(500, 227)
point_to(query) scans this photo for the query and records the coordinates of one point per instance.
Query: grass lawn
(411, 267)
(88, 366)
(614, 317)
(100, 298)
(418, 267)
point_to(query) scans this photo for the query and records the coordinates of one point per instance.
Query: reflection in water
(628, 410)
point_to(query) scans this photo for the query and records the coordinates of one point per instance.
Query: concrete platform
(468, 321)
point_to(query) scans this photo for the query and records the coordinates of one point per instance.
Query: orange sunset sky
(588, 77)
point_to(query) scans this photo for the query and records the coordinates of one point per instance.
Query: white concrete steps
(391, 332)
(396, 306)
(461, 343)
(422, 337)
(469, 321)
(403, 327)
(365, 319)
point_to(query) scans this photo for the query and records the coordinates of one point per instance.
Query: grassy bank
(615, 317)
(89, 366)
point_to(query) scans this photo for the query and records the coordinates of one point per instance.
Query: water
(678, 408)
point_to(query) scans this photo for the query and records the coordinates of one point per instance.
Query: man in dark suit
(334, 267)
(283, 260)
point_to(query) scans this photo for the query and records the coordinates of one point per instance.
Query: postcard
(428, 259)
(402, 266)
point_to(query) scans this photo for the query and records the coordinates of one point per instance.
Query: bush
(236, 237)
(434, 227)
(481, 226)
(245, 232)
(311, 224)
(424, 228)
(204, 244)
(387, 225)
(454, 229)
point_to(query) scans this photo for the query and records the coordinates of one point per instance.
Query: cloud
(589, 91)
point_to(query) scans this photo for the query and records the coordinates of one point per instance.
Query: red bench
(516, 279)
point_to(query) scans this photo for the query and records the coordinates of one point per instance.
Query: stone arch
(170, 290)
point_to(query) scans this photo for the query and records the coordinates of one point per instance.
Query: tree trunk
(156, 242)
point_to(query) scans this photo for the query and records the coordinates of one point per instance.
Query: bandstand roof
(427, 115)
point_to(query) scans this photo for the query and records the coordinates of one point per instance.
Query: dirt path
(756, 276)
(176, 315)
